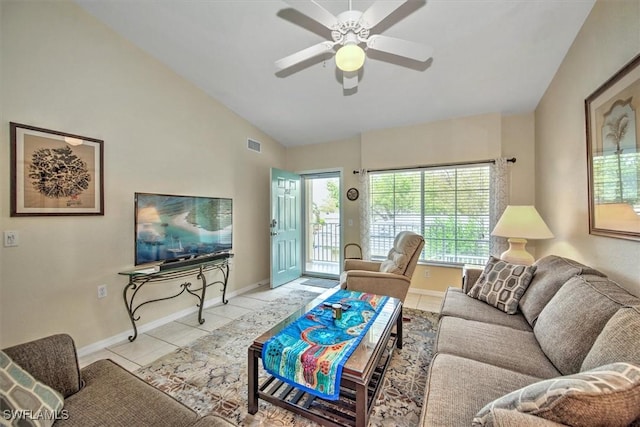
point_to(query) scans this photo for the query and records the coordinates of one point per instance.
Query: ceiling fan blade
(303, 55)
(378, 11)
(349, 80)
(399, 47)
(316, 12)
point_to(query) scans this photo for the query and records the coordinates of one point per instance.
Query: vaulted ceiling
(489, 56)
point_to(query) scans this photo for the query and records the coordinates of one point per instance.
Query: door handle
(274, 233)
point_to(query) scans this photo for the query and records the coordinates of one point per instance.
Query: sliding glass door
(322, 224)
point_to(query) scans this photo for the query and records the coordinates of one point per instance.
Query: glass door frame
(321, 173)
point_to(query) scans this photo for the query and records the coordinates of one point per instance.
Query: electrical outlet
(102, 291)
(10, 239)
(427, 273)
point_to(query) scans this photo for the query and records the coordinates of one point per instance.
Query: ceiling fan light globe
(350, 57)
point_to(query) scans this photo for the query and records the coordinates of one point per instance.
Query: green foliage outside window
(449, 207)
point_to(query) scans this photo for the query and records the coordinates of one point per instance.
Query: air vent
(253, 145)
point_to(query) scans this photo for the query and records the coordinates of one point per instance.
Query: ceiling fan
(350, 30)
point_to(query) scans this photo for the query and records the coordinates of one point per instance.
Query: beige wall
(63, 70)
(609, 38)
(518, 140)
(341, 155)
(455, 140)
(435, 278)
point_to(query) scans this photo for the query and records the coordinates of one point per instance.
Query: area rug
(322, 283)
(210, 374)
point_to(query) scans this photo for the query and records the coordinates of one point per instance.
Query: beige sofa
(571, 319)
(101, 394)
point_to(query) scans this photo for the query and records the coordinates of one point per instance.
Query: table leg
(362, 403)
(399, 330)
(253, 381)
(225, 273)
(129, 306)
(202, 277)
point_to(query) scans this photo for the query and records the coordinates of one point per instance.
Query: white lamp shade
(350, 57)
(522, 222)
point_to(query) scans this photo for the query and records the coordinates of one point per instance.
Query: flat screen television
(171, 228)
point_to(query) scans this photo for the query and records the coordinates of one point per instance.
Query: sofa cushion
(458, 304)
(619, 341)
(502, 284)
(608, 395)
(115, 397)
(551, 273)
(570, 323)
(21, 392)
(497, 345)
(457, 388)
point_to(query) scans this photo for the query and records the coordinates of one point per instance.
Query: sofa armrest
(470, 275)
(358, 264)
(51, 360)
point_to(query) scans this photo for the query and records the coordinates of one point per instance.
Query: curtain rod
(477, 162)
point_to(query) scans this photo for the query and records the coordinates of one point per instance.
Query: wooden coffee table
(362, 373)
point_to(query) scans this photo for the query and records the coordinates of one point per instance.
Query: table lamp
(519, 223)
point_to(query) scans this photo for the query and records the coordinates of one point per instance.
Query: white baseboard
(426, 292)
(115, 339)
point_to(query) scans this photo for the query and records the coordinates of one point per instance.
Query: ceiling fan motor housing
(349, 29)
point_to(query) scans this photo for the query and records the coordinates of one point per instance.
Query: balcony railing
(326, 242)
(382, 236)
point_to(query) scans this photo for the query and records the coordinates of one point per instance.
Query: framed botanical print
(55, 173)
(613, 152)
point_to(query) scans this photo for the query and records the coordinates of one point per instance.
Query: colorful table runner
(311, 352)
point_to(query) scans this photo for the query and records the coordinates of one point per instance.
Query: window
(448, 206)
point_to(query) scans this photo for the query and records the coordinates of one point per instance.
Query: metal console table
(139, 278)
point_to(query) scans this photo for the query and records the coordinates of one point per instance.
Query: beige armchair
(390, 277)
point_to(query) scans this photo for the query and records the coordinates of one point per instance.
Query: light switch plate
(10, 239)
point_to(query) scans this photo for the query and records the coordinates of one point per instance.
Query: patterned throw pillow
(26, 401)
(502, 284)
(606, 396)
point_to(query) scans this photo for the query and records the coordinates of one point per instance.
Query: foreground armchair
(390, 277)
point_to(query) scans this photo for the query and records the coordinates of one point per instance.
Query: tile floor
(167, 338)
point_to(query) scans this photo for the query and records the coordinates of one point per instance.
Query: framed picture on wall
(613, 154)
(55, 173)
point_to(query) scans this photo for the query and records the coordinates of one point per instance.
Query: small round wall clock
(352, 194)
